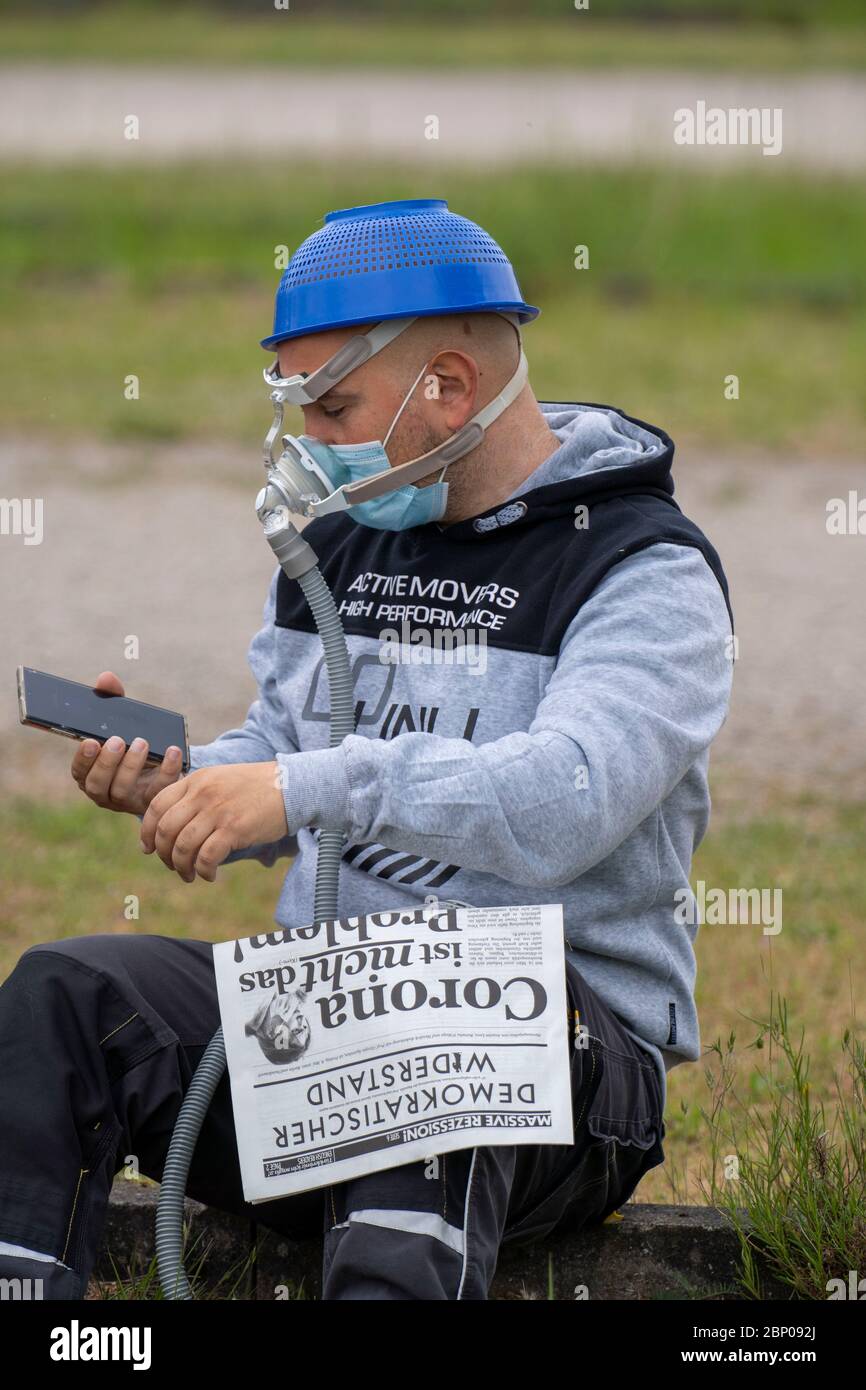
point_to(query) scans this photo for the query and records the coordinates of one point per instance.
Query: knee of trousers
(67, 995)
(429, 1229)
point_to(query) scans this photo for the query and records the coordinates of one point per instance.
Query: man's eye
(332, 414)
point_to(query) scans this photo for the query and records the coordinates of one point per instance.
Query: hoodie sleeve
(640, 688)
(262, 736)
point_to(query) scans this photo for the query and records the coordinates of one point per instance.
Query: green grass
(137, 1282)
(813, 852)
(75, 868)
(796, 1195)
(169, 274)
(451, 37)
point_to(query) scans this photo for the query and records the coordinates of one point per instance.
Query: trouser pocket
(626, 1126)
(88, 1205)
(618, 1129)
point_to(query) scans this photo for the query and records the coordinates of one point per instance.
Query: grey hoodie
(564, 760)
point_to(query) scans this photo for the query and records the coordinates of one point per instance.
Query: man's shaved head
(489, 338)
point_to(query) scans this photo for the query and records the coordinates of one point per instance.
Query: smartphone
(78, 711)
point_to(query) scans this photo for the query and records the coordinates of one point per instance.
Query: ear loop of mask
(406, 401)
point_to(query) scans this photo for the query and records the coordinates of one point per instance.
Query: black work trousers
(99, 1038)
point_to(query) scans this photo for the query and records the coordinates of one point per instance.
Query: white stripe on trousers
(22, 1252)
(466, 1221)
(420, 1223)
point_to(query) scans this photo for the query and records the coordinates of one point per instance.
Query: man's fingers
(170, 824)
(108, 681)
(128, 771)
(161, 803)
(164, 774)
(83, 760)
(212, 853)
(102, 770)
(187, 843)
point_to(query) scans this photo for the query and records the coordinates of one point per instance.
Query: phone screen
(71, 707)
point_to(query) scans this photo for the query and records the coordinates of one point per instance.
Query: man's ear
(451, 380)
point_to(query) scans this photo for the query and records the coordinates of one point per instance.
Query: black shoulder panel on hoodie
(521, 570)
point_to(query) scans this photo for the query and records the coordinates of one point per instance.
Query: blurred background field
(170, 275)
(728, 34)
(696, 272)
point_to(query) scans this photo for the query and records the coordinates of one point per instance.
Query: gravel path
(76, 112)
(133, 545)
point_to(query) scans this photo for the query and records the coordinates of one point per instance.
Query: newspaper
(366, 1042)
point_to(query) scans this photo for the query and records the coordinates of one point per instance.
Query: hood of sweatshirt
(602, 452)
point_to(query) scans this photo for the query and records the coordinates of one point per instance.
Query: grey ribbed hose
(342, 709)
(209, 1072)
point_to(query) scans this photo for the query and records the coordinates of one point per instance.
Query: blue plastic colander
(393, 260)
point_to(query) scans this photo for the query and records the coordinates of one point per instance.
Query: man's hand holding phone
(192, 826)
(114, 776)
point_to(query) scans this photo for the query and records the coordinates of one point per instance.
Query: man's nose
(318, 429)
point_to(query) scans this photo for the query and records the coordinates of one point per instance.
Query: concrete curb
(649, 1252)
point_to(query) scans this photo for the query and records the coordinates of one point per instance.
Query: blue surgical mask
(397, 510)
(394, 511)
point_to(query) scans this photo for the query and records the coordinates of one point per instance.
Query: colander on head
(393, 260)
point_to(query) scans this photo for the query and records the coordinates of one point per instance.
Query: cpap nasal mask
(315, 478)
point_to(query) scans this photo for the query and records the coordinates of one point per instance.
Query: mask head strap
(306, 388)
